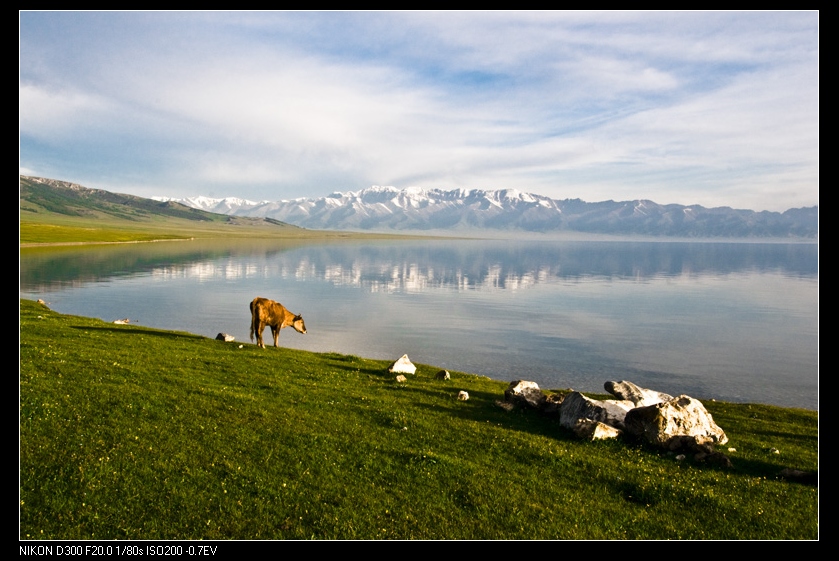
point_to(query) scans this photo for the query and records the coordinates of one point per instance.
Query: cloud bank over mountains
(714, 108)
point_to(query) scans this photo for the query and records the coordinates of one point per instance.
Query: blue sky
(710, 108)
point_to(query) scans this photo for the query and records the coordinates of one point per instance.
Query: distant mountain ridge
(389, 208)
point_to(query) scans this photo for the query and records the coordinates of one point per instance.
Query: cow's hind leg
(260, 327)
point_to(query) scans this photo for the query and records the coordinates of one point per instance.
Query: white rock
(576, 406)
(524, 392)
(595, 430)
(665, 424)
(462, 395)
(402, 366)
(640, 397)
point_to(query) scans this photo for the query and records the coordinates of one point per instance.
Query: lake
(729, 321)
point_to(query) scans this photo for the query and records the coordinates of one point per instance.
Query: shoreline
(59, 244)
(385, 359)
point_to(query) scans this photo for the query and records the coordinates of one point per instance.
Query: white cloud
(56, 115)
(612, 105)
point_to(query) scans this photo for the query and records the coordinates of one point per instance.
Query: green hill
(60, 212)
(38, 195)
(53, 211)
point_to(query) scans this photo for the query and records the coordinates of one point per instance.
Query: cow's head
(298, 324)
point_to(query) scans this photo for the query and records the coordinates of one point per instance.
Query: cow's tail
(252, 320)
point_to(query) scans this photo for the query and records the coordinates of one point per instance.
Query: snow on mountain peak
(386, 207)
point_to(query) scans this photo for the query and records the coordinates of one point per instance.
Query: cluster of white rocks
(678, 424)
(674, 423)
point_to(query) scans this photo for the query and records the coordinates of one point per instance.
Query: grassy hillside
(40, 195)
(53, 211)
(129, 432)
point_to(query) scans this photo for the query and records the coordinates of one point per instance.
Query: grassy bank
(59, 230)
(130, 432)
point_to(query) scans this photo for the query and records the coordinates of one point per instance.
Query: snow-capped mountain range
(389, 208)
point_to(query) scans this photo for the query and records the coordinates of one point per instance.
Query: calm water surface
(737, 322)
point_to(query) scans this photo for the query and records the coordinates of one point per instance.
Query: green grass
(52, 229)
(135, 433)
(36, 233)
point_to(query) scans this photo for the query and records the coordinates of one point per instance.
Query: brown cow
(265, 312)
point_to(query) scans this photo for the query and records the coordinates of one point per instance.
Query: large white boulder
(402, 365)
(674, 423)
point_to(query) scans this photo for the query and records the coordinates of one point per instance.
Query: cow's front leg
(275, 331)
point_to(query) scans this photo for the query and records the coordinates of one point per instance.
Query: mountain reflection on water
(389, 266)
(734, 321)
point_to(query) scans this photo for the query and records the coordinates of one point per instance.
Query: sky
(709, 108)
